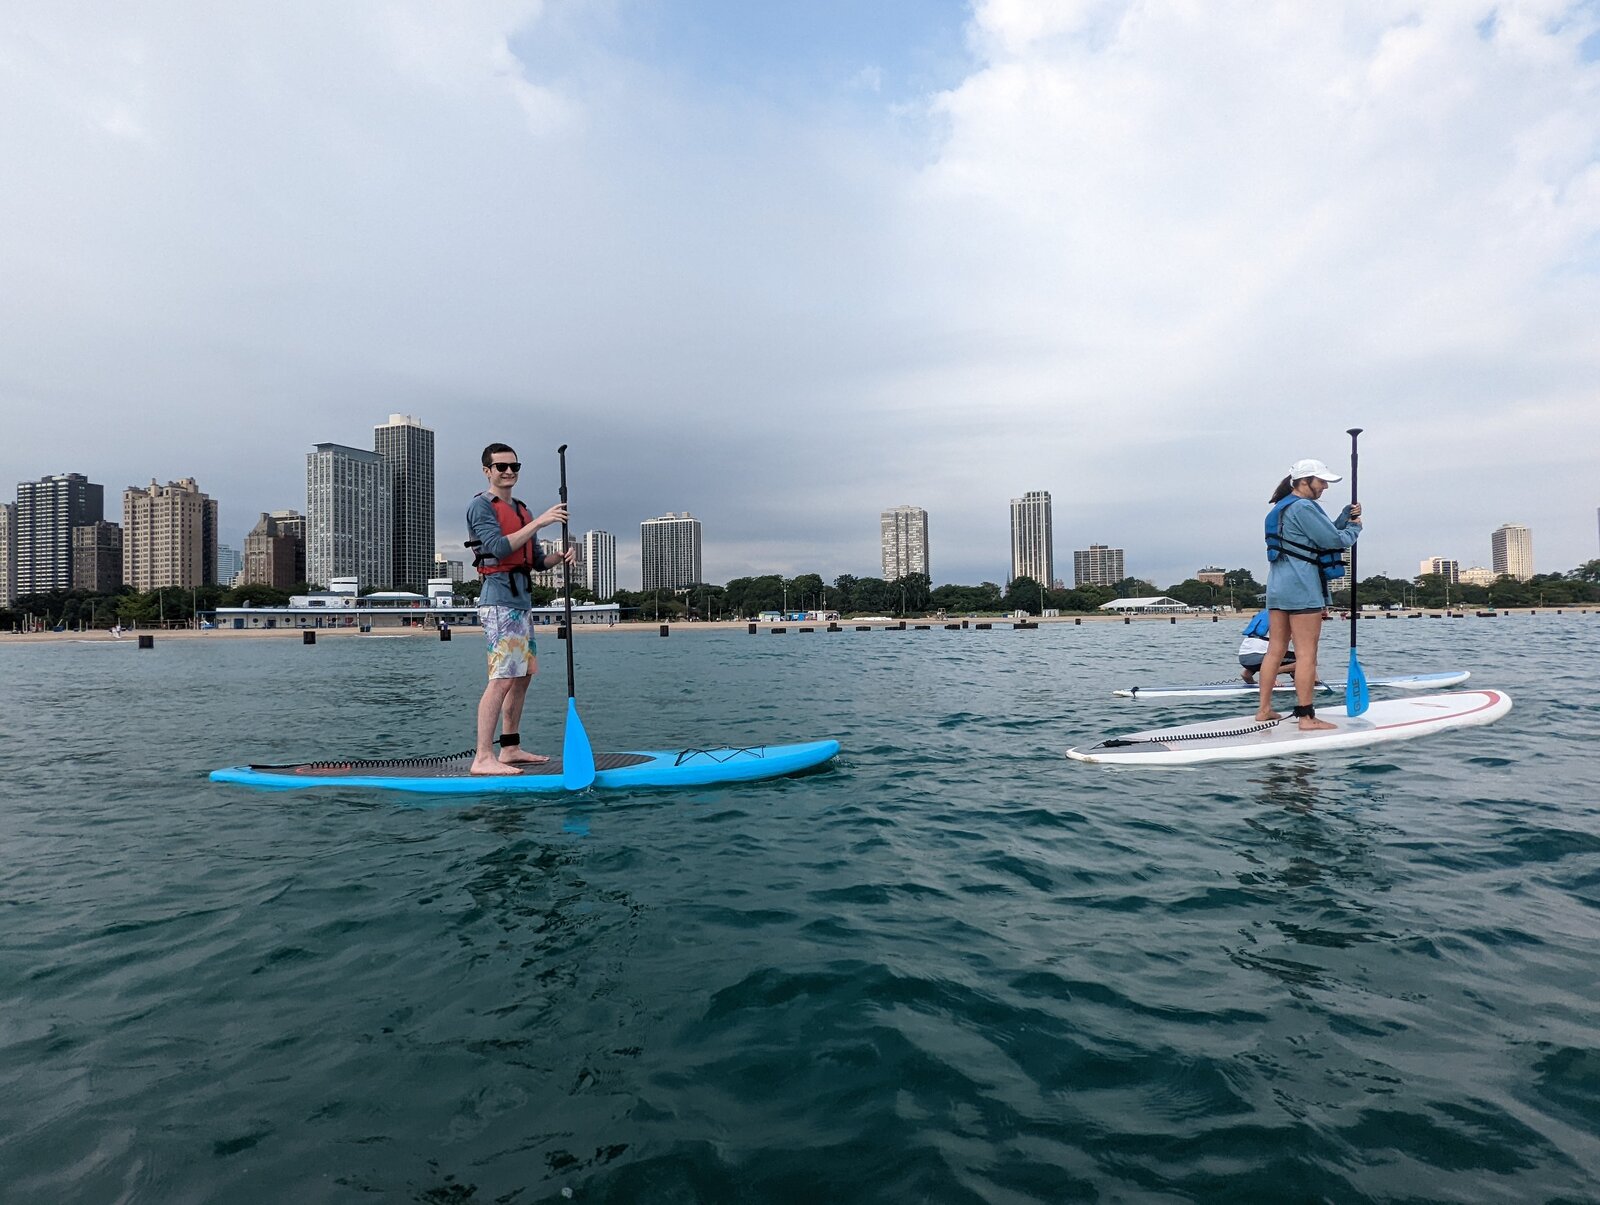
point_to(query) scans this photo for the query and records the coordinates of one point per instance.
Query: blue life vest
(1260, 627)
(1329, 561)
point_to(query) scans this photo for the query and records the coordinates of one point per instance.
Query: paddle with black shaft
(577, 755)
(1355, 683)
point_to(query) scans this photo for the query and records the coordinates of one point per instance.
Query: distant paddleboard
(449, 775)
(1245, 739)
(1236, 688)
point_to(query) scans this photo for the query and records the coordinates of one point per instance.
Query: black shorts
(1253, 661)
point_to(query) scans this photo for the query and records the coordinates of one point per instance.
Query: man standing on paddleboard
(506, 554)
(1305, 552)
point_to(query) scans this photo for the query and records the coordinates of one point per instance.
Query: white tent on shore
(1159, 604)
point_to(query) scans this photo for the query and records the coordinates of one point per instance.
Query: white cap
(1313, 468)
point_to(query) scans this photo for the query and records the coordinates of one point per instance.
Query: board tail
(577, 755)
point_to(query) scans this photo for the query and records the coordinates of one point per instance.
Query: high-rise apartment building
(1032, 537)
(8, 553)
(1443, 566)
(555, 578)
(275, 550)
(47, 511)
(600, 564)
(97, 557)
(1511, 547)
(169, 535)
(349, 517)
(230, 564)
(903, 541)
(444, 568)
(1097, 565)
(407, 449)
(669, 551)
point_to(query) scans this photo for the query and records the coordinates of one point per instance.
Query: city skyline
(1511, 544)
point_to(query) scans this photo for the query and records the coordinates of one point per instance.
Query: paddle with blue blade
(577, 755)
(1355, 684)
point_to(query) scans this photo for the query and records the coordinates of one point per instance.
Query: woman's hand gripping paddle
(1355, 683)
(577, 756)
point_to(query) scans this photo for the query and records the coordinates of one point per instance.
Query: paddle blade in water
(1355, 688)
(577, 755)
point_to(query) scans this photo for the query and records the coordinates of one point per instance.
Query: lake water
(955, 968)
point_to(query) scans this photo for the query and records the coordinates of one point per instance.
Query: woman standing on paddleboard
(1305, 552)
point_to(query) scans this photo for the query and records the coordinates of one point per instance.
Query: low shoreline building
(1158, 604)
(392, 609)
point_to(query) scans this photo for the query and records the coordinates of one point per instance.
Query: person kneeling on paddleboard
(1253, 648)
(506, 555)
(1305, 552)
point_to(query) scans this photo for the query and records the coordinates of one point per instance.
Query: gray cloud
(1141, 263)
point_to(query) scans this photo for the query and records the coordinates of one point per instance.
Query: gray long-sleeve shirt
(1296, 585)
(499, 589)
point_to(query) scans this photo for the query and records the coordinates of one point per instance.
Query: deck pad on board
(450, 774)
(1237, 687)
(1245, 738)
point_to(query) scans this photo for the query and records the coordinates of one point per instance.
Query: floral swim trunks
(511, 644)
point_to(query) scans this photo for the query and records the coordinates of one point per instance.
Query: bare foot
(1310, 723)
(521, 757)
(1249, 678)
(491, 766)
(1268, 717)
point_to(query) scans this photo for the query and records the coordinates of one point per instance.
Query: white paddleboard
(1236, 688)
(1244, 739)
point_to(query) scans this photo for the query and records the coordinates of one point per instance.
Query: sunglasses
(506, 466)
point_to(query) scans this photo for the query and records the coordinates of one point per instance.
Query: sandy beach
(650, 628)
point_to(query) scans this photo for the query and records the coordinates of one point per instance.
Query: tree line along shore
(745, 598)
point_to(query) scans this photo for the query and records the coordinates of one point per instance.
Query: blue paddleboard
(449, 775)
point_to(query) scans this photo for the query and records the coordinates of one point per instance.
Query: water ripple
(955, 968)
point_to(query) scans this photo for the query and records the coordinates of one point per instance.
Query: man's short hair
(488, 453)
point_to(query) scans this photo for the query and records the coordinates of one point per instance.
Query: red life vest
(512, 517)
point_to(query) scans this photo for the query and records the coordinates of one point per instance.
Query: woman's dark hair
(1285, 488)
(488, 453)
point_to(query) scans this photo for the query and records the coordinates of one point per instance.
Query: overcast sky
(786, 264)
